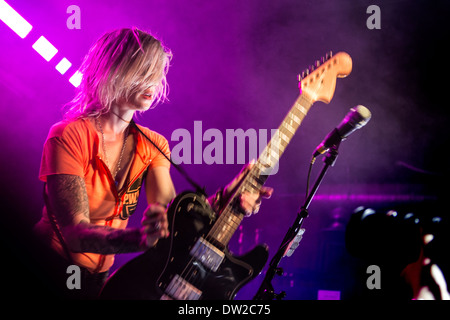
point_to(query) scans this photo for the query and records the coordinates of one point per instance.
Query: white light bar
(75, 79)
(14, 20)
(45, 48)
(63, 65)
(42, 46)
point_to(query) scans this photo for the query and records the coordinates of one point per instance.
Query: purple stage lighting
(14, 20)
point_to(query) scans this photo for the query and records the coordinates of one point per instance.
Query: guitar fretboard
(231, 217)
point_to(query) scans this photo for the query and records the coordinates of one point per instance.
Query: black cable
(180, 169)
(308, 177)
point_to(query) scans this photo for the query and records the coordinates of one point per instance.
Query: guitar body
(187, 265)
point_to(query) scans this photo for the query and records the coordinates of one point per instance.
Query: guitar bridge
(180, 289)
(210, 256)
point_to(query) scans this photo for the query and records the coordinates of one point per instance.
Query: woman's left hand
(250, 202)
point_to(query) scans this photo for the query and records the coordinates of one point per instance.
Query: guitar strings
(188, 272)
(228, 210)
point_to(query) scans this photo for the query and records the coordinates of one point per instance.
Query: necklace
(106, 151)
(119, 117)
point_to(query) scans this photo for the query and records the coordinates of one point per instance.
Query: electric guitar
(194, 262)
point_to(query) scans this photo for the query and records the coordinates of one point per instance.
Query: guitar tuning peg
(311, 69)
(329, 55)
(303, 75)
(317, 64)
(322, 60)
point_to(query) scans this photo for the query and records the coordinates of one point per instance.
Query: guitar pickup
(210, 256)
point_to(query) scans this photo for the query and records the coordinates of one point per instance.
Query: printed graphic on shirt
(130, 198)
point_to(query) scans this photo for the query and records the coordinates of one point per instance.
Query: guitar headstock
(319, 81)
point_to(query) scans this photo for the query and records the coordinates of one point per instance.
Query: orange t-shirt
(73, 147)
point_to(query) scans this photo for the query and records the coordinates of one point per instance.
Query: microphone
(355, 119)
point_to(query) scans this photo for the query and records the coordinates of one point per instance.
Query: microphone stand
(266, 290)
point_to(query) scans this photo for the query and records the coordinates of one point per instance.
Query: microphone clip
(332, 153)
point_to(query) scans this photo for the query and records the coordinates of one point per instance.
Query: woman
(95, 160)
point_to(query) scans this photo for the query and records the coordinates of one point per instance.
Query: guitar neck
(280, 140)
(230, 218)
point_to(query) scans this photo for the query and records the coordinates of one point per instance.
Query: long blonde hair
(121, 63)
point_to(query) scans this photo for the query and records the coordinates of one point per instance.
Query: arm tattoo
(68, 198)
(106, 240)
(70, 205)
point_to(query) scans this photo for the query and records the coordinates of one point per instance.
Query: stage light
(63, 66)
(75, 79)
(14, 20)
(42, 46)
(45, 48)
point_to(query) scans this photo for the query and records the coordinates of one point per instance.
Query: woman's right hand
(154, 224)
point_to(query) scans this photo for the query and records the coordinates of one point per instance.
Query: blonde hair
(121, 63)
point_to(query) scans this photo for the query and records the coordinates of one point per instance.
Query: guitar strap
(180, 169)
